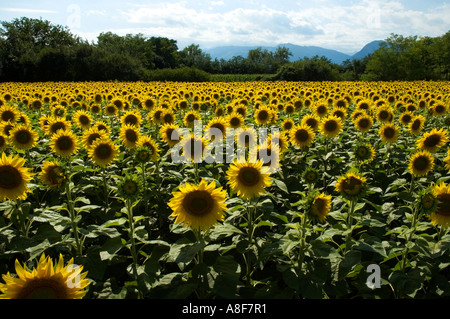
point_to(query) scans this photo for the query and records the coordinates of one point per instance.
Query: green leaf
(281, 185)
(111, 247)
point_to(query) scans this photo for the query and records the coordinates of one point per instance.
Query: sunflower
(312, 120)
(406, 118)
(310, 175)
(318, 206)
(129, 187)
(46, 281)
(82, 119)
(364, 153)
(64, 143)
(52, 174)
(56, 124)
(433, 140)
(95, 108)
(171, 134)
(421, 163)
(148, 142)
(102, 126)
(321, 109)
(131, 117)
(384, 114)
(23, 137)
(90, 135)
(235, 120)
(389, 132)
(111, 109)
(248, 179)
(441, 216)
(263, 115)
(302, 135)
(143, 154)
(9, 114)
(417, 124)
(426, 201)
(13, 178)
(287, 125)
(216, 125)
(363, 123)
(439, 109)
(331, 126)
(351, 185)
(103, 152)
(129, 134)
(340, 112)
(200, 206)
(190, 117)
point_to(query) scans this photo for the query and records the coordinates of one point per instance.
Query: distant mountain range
(298, 52)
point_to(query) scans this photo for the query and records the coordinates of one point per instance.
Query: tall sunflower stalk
(351, 186)
(129, 190)
(249, 180)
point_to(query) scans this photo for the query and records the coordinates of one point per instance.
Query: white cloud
(346, 27)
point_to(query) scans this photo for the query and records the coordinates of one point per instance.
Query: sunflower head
(200, 206)
(143, 154)
(23, 137)
(351, 185)
(311, 175)
(433, 140)
(14, 178)
(363, 123)
(263, 115)
(129, 187)
(389, 133)
(364, 153)
(312, 120)
(171, 134)
(64, 143)
(302, 136)
(416, 125)
(331, 126)
(317, 206)
(46, 281)
(248, 179)
(52, 174)
(421, 163)
(129, 134)
(441, 216)
(103, 152)
(426, 201)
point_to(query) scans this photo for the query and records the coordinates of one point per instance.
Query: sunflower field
(94, 206)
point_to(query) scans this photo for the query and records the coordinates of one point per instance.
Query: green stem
(129, 207)
(105, 188)
(301, 253)
(73, 216)
(412, 231)
(349, 226)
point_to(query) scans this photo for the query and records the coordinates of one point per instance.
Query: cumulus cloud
(344, 26)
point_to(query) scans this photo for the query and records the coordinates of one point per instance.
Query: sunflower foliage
(103, 175)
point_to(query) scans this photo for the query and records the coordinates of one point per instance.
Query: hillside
(298, 52)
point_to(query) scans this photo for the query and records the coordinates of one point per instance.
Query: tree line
(37, 50)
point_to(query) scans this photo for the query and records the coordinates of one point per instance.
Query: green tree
(193, 56)
(166, 52)
(22, 42)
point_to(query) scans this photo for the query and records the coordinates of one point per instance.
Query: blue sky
(342, 25)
